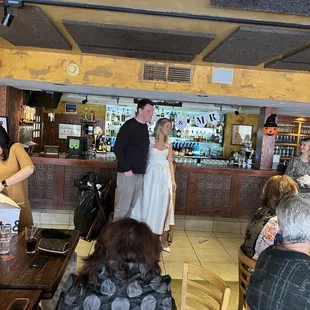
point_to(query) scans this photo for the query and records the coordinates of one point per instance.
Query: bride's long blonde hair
(159, 124)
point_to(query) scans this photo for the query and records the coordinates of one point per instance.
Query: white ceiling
(103, 95)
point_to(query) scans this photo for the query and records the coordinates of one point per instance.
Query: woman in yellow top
(15, 167)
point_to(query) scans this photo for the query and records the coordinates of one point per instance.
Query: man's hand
(128, 173)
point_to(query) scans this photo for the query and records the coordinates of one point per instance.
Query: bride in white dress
(155, 206)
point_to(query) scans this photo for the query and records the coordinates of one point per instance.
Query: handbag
(56, 246)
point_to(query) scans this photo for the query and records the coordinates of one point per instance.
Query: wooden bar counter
(201, 190)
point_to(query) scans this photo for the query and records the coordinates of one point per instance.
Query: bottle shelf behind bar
(203, 142)
(289, 137)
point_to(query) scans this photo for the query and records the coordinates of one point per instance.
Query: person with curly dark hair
(122, 273)
(15, 168)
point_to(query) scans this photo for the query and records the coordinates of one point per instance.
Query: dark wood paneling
(213, 192)
(192, 193)
(235, 194)
(200, 190)
(59, 184)
(15, 100)
(70, 175)
(50, 131)
(250, 193)
(41, 184)
(3, 107)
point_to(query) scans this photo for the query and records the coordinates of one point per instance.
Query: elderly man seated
(281, 279)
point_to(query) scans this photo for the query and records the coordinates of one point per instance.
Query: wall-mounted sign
(212, 118)
(4, 122)
(71, 108)
(66, 130)
(181, 123)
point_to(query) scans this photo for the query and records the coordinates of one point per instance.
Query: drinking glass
(31, 240)
(5, 237)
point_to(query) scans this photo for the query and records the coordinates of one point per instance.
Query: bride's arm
(170, 160)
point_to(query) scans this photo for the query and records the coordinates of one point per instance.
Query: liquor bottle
(186, 134)
(208, 137)
(196, 136)
(182, 152)
(193, 123)
(104, 145)
(186, 149)
(173, 131)
(108, 145)
(162, 114)
(108, 115)
(177, 149)
(108, 131)
(212, 136)
(192, 136)
(188, 119)
(127, 117)
(112, 116)
(204, 137)
(179, 133)
(150, 132)
(200, 136)
(112, 132)
(180, 149)
(118, 117)
(123, 116)
(196, 150)
(191, 150)
(100, 146)
(112, 144)
(173, 148)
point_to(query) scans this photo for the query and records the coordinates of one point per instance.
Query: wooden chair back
(219, 292)
(246, 266)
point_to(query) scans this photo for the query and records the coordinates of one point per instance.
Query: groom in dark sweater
(131, 149)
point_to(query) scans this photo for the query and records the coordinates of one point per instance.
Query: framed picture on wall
(70, 108)
(241, 134)
(69, 130)
(4, 122)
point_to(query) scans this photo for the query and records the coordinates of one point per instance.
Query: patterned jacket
(133, 287)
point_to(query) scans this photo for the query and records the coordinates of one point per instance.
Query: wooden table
(16, 273)
(7, 296)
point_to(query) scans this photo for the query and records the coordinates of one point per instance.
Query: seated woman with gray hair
(281, 279)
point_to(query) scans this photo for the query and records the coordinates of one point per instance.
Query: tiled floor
(208, 241)
(217, 253)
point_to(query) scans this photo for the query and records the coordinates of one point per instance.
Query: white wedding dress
(155, 206)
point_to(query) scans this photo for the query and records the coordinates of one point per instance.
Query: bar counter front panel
(201, 190)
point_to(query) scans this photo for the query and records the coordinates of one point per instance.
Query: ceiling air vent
(180, 75)
(154, 73)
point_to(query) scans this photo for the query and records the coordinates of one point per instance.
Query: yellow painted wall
(241, 119)
(98, 109)
(127, 73)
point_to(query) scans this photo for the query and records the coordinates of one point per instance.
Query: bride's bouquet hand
(174, 186)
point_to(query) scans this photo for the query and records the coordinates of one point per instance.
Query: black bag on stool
(87, 208)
